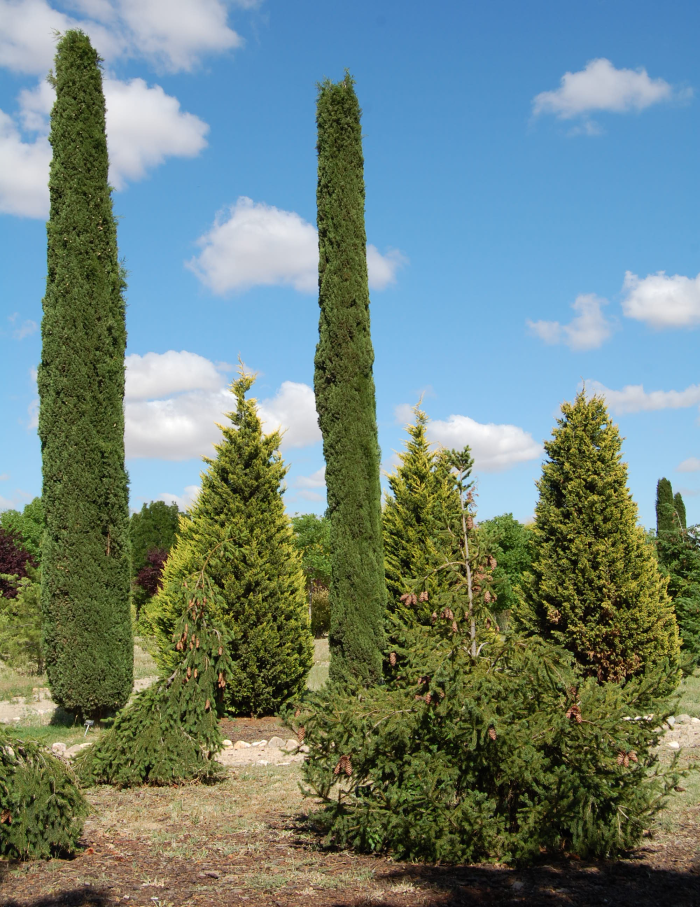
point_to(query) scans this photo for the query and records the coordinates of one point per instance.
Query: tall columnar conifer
(85, 561)
(260, 600)
(594, 586)
(345, 397)
(679, 507)
(665, 508)
(422, 506)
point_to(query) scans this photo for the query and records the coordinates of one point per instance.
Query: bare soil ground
(247, 841)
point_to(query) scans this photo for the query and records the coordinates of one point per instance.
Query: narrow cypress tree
(345, 399)
(260, 599)
(424, 503)
(679, 506)
(594, 585)
(665, 507)
(85, 561)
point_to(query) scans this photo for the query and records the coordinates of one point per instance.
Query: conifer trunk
(86, 551)
(345, 399)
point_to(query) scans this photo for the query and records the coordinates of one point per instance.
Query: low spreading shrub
(495, 757)
(41, 807)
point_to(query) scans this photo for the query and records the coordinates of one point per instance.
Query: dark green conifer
(594, 586)
(679, 506)
(345, 398)
(665, 508)
(85, 575)
(422, 506)
(260, 601)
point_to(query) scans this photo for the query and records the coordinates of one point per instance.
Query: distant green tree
(422, 506)
(312, 536)
(665, 508)
(679, 505)
(20, 625)
(260, 600)
(153, 531)
(679, 559)
(345, 396)
(594, 586)
(510, 543)
(88, 642)
(27, 526)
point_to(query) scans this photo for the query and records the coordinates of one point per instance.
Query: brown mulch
(246, 841)
(250, 729)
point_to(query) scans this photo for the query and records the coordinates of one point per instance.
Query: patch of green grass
(689, 691)
(144, 665)
(318, 675)
(13, 684)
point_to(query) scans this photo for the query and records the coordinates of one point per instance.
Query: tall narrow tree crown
(345, 397)
(85, 560)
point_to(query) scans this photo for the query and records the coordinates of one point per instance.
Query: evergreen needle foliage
(493, 758)
(169, 734)
(20, 626)
(422, 507)
(666, 519)
(85, 575)
(41, 807)
(260, 601)
(594, 586)
(345, 399)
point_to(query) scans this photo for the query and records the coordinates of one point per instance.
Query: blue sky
(532, 215)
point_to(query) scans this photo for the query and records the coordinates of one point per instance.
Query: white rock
(58, 748)
(683, 719)
(291, 744)
(670, 721)
(263, 762)
(304, 749)
(695, 720)
(240, 745)
(227, 743)
(259, 743)
(674, 744)
(275, 743)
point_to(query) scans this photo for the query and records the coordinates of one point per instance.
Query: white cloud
(293, 410)
(24, 172)
(602, 87)
(255, 244)
(176, 33)
(315, 480)
(156, 375)
(494, 447)
(587, 331)
(634, 399)
(175, 400)
(661, 301)
(185, 500)
(692, 464)
(144, 126)
(26, 329)
(4, 477)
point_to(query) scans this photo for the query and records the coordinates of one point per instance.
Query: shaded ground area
(246, 841)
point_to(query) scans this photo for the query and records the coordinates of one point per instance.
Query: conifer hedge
(594, 586)
(85, 561)
(261, 601)
(345, 398)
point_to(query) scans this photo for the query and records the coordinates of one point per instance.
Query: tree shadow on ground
(629, 883)
(76, 897)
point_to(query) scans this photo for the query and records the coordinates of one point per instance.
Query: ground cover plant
(41, 806)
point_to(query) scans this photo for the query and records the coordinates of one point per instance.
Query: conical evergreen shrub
(86, 550)
(41, 806)
(261, 601)
(422, 507)
(170, 734)
(594, 586)
(345, 396)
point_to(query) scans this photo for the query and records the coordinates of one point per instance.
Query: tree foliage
(480, 746)
(260, 601)
(510, 543)
(594, 586)
(41, 806)
(312, 536)
(345, 396)
(169, 734)
(86, 549)
(21, 637)
(14, 562)
(423, 505)
(27, 526)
